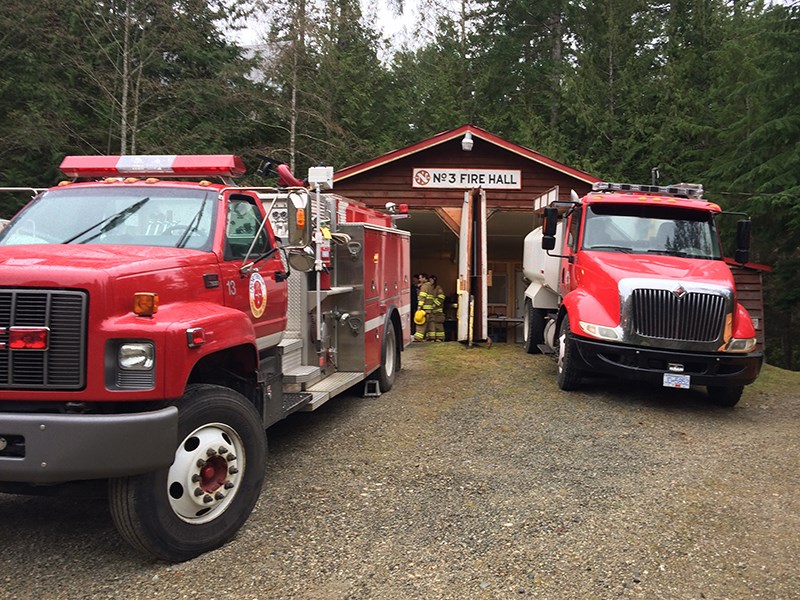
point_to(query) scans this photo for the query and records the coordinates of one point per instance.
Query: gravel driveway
(475, 477)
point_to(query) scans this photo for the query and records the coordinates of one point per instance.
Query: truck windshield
(648, 229)
(131, 216)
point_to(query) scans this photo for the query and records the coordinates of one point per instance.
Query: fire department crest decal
(258, 295)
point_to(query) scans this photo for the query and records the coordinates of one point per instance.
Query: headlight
(136, 356)
(601, 331)
(741, 345)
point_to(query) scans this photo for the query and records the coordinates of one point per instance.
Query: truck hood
(617, 266)
(81, 266)
(599, 275)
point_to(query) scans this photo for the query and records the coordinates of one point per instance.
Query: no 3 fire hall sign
(488, 179)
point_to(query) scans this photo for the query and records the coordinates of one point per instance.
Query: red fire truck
(154, 323)
(639, 290)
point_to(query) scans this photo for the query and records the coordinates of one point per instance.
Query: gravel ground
(475, 477)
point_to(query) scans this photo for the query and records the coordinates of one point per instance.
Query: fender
(542, 296)
(224, 328)
(582, 306)
(743, 327)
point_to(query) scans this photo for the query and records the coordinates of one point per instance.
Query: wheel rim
(526, 319)
(206, 474)
(390, 353)
(562, 344)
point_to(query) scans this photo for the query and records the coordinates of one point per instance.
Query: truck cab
(639, 289)
(153, 326)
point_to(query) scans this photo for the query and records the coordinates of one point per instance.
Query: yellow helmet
(419, 317)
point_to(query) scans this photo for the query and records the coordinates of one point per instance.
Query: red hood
(618, 266)
(80, 265)
(599, 274)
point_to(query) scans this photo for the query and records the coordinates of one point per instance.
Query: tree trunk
(126, 61)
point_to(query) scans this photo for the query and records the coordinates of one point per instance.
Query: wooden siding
(392, 181)
(749, 292)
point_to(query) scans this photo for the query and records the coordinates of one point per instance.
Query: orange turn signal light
(300, 218)
(145, 304)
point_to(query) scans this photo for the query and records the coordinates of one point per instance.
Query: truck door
(257, 294)
(568, 267)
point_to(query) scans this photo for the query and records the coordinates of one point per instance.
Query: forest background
(704, 90)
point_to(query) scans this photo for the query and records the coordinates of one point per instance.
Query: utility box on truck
(632, 283)
(153, 325)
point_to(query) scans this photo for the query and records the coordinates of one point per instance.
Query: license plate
(677, 381)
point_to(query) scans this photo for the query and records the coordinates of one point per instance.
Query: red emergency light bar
(688, 190)
(192, 165)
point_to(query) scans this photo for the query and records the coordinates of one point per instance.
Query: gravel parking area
(475, 477)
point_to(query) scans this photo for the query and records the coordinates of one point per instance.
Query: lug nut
(207, 498)
(195, 478)
(230, 457)
(198, 492)
(229, 485)
(211, 452)
(201, 463)
(233, 470)
(222, 450)
(219, 496)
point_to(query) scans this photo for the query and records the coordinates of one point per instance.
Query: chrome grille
(694, 317)
(62, 365)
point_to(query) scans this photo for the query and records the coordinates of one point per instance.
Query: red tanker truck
(638, 289)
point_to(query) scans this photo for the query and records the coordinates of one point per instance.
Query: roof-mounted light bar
(194, 165)
(684, 190)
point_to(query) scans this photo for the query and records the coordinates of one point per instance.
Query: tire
(533, 321)
(725, 395)
(568, 376)
(178, 513)
(390, 358)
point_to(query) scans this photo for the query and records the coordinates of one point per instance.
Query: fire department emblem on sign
(258, 295)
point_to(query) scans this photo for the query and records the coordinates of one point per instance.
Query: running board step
(545, 349)
(301, 374)
(292, 400)
(331, 386)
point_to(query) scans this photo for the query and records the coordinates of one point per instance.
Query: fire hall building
(436, 176)
(440, 177)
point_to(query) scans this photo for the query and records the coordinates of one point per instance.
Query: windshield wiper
(109, 222)
(193, 225)
(611, 247)
(678, 253)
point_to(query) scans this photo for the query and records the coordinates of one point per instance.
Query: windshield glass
(649, 229)
(132, 216)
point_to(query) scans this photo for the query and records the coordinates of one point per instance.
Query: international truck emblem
(679, 292)
(258, 295)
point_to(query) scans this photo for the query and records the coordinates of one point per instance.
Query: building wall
(393, 181)
(750, 293)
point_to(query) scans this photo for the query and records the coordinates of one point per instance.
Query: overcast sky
(394, 27)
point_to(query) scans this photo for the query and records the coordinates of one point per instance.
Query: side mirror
(743, 229)
(549, 228)
(301, 259)
(298, 213)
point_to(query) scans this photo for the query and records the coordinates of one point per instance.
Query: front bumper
(56, 448)
(650, 364)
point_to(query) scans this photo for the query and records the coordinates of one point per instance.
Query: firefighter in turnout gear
(438, 311)
(425, 302)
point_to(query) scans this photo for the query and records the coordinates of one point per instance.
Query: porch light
(466, 143)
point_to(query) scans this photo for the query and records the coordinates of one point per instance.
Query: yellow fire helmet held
(419, 317)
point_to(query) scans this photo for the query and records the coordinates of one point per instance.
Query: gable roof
(446, 136)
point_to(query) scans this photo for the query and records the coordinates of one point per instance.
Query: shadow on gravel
(302, 428)
(694, 400)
